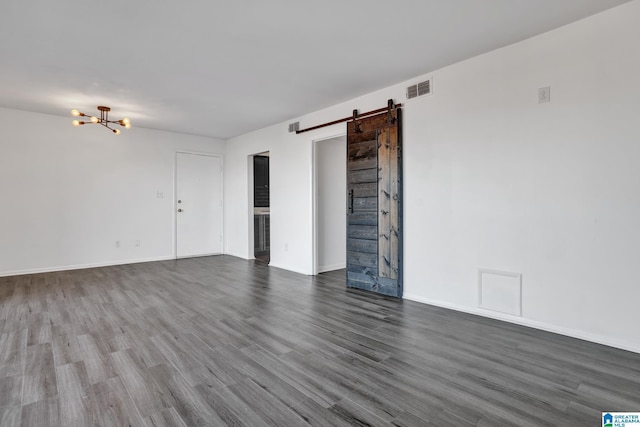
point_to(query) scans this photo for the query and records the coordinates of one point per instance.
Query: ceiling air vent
(419, 89)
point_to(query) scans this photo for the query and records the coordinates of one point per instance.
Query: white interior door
(198, 205)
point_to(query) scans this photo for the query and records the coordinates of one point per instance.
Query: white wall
(331, 204)
(289, 193)
(494, 180)
(69, 193)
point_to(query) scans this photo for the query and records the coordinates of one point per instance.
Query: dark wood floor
(224, 341)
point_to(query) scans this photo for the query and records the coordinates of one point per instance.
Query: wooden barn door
(374, 204)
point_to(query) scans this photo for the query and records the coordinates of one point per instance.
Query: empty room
(361, 213)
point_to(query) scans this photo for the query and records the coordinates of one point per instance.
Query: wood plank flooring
(220, 341)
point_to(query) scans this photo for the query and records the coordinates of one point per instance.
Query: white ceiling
(221, 69)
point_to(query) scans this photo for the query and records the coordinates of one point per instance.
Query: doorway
(261, 209)
(198, 205)
(330, 204)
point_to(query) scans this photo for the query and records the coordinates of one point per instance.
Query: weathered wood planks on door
(374, 216)
(388, 199)
(362, 173)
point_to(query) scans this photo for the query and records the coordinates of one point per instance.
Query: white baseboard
(476, 311)
(238, 255)
(82, 266)
(599, 339)
(286, 267)
(333, 267)
(198, 256)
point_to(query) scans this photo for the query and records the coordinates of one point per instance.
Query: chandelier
(102, 120)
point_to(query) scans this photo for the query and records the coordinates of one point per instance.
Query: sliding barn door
(374, 204)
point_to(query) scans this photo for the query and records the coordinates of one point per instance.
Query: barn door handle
(351, 201)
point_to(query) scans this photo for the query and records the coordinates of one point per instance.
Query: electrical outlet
(160, 195)
(137, 243)
(117, 243)
(544, 95)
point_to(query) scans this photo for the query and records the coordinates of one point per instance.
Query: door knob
(179, 210)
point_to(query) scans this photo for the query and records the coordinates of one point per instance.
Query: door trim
(174, 200)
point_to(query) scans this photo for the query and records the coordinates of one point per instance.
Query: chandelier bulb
(116, 131)
(77, 123)
(126, 123)
(94, 119)
(75, 113)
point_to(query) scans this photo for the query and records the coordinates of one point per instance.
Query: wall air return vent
(419, 89)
